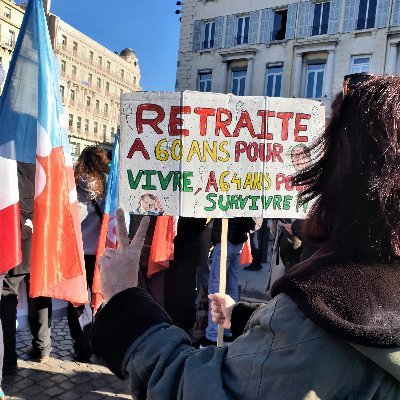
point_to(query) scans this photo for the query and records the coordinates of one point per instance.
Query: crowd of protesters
(326, 290)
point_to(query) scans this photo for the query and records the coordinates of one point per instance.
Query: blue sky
(150, 28)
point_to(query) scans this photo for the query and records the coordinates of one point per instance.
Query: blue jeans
(232, 268)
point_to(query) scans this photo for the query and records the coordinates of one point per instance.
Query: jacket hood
(87, 187)
(357, 302)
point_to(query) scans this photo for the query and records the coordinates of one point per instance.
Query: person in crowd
(332, 328)
(39, 308)
(180, 277)
(238, 229)
(258, 245)
(154, 285)
(90, 171)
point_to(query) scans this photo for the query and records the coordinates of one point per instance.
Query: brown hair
(355, 181)
(93, 161)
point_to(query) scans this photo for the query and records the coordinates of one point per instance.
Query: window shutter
(219, 26)
(396, 13)
(291, 21)
(229, 31)
(305, 18)
(197, 35)
(350, 15)
(253, 27)
(334, 16)
(382, 14)
(266, 25)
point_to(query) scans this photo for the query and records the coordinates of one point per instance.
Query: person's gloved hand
(119, 268)
(221, 309)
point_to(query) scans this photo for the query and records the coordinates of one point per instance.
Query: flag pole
(222, 273)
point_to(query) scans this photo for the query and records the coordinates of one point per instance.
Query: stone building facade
(92, 81)
(288, 49)
(11, 16)
(92, 77)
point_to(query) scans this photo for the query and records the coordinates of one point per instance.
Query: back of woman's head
(356, 178)
(93, 164)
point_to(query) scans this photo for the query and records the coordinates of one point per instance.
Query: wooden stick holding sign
(222, 272)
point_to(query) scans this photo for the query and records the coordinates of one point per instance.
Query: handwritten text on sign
(214, 155)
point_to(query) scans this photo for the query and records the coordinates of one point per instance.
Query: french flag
(32, 129)
(108, 237)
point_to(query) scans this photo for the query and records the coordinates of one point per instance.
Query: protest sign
(214, 155)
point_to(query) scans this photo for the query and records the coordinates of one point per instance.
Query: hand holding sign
(119, 268)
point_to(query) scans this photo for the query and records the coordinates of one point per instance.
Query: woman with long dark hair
(332, 328)
(91, 171)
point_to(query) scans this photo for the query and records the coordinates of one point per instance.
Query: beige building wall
(337, 50)
(11, 16)
(92, 81)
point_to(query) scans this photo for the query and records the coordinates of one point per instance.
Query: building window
(72, 95)
(95, 126)
(73, 70)
(91, 56)
(12, 38)
(112, 132)
(108, 65)
(239, 82)
(86, 125)
(104, 130)
(205, 79)
(121, 92)
(88, 101)
(315, 81)
(63, 66)
(105, 107)
(78, 123)
(7, 12)
(90, 78)
(134, 80)
(122, 73)
(97, 104)
(63, 40)
(70, 120)
(279, 29)
(98, 82)
(75, 149)
(208, 34)
(62, 91)
(273, 81)
(100, 60)
(360, 64)
(366, 14)
(321, 18)
(75, 47)
(107, 86)
(242, 30)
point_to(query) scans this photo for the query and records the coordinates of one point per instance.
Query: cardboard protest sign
(214, 155)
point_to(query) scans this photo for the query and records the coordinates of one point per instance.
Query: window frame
(353, 68)
(274, 75)
(243, 38)
(367, 19)
(207, 82)
(275, 32)
(308, 73)
(241, 80)
(208, 43)
(321, 29)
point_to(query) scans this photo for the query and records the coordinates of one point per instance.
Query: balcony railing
(319, 30)
(365, 23)
(239, 40)
(278, 34)
(7, 42)
(208, 44)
